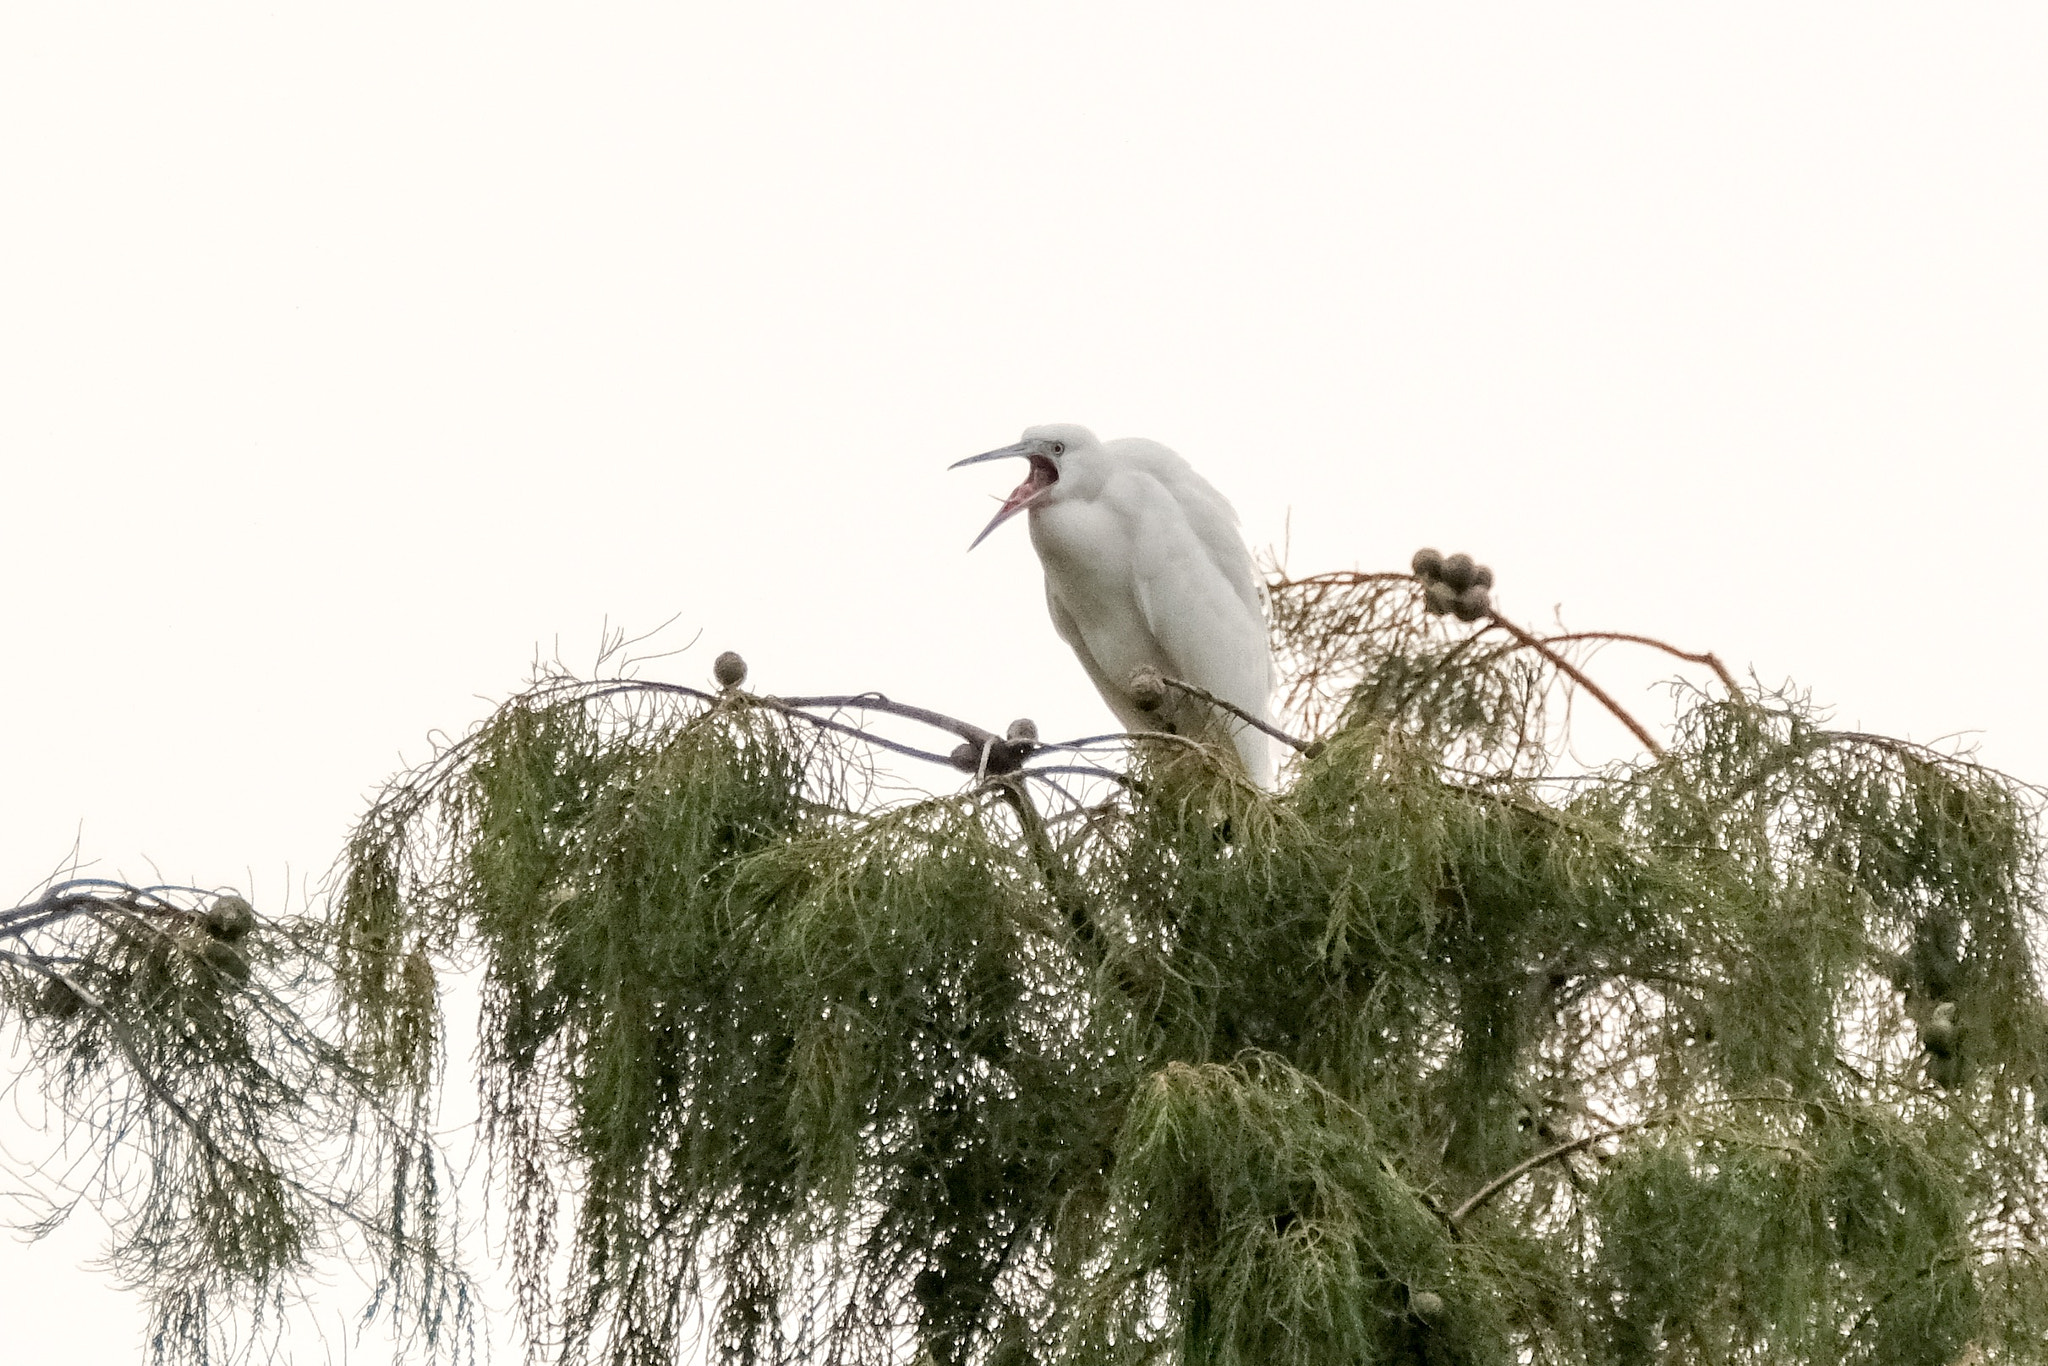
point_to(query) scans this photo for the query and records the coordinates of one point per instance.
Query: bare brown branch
(1578, 676)
(1708, 658)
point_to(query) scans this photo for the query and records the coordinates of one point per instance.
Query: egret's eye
(1059, 448)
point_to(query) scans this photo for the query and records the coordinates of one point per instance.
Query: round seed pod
(729, 669)
(1438, 597)
(230, 918)
(1426, 1304)
(1459, 572)
(1006, 756)
(966, 757)
(1023, 728)
(226, 959)
(1940, 1037)
(1427, 564)
(929, 1286)
(1482, 575)
(1472, 604)
(1940, 1032)
(1148, 689)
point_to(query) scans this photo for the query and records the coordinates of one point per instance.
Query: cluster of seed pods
(1453, 585)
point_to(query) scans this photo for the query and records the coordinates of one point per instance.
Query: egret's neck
(1082, 545)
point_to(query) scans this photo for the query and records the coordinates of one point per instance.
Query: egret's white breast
(1086, 550)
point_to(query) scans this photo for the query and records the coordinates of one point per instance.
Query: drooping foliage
(1440, 1053)
(171, 1039)
(1450, 1050)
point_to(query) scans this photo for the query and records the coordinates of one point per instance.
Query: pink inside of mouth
(1044, 474)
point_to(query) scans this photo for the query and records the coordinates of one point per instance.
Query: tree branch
(1521, 1169)
(1573, 672)
(1308, 747)
(874, 701)
(1058, 878)
(1708, 658)
(1457, 1217)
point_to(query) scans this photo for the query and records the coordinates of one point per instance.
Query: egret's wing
(1209, 515)
(1206, 623)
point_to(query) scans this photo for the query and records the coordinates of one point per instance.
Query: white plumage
(1145, 569)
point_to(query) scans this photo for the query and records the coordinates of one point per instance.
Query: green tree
(185, 1048)
(1443, 1052)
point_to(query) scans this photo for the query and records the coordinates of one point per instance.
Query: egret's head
(1050, 449)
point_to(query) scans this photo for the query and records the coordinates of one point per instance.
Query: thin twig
(1515, 1173)
(62, 901)
(827, 723)
(791, 706)
(1116, 737)
(1457, 1217)
(1081, 770)
(874, 701)
(1059, 879)
(143, 1073)
(1305, 746)
(1708, 658)
(1573, 672)
(1343, 578)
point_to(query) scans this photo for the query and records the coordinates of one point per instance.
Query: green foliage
(1438, 1054)
(227, 1143)
(1263, 1211)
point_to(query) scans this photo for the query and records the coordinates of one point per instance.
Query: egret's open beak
(1022, 449)
(1044, 474)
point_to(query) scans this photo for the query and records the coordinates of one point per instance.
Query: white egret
(1145, 570)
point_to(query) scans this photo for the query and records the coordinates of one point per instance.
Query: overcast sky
(347, 356)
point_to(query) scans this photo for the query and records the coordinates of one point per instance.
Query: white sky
(346, 355)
